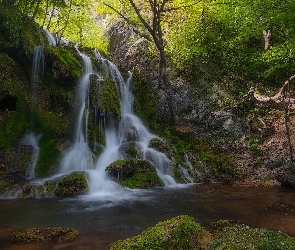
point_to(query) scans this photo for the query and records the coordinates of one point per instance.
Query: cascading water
(129, 126)
(79, 155)
(50, 37)
(31, 138)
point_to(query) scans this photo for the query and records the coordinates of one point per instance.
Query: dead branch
(280, 97)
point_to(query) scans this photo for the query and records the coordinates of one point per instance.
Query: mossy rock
(50, 234)
(161, 146)
(19, 158)
(48, 156)
(64, 64)
(144, 101)
(73, 184)
(135, 173)
(108, 98)
(181, 232)
(232, 235)
(27, 192)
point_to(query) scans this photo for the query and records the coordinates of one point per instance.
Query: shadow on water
(102, 220)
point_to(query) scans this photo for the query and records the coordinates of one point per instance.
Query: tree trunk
(163, 79)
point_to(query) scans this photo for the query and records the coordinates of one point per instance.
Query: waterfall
(30, 138)
(50, 37)
(129, 125)
(79, 155)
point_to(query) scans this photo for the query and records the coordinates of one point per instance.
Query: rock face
(253, 135)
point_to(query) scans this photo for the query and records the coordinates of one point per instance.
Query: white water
(50, 37)
(79, 155)
(117, 134)
(30, 138)
(130, 126)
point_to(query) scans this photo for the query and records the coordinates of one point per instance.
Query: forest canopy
(253, 40)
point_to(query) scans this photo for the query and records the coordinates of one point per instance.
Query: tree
(150, 15)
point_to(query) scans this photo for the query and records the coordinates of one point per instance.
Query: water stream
(101, 222)
(31, 138)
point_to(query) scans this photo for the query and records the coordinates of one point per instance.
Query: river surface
(101, 220)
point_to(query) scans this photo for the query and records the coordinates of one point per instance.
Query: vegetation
(50, 234)
(108, 98)
(181, 232)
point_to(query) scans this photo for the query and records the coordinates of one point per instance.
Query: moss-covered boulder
(72, 184)
(233, 235)
(181, 232)
(69, 185)
(50, 234)
(135, 173)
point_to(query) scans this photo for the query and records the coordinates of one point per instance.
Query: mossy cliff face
(48, 112)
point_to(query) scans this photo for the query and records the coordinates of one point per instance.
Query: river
(102, 220)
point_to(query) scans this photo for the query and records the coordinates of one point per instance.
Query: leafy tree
(147, 18)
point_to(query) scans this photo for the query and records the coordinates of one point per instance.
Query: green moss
(28, 191)
(48, 155)
(108, 100)
(50, 234)
(135, 173)
(240, 236)
(161, 146)
(181, 232)
(73, 184)
(50, 187)
(64, 62)
(53, 124)
(144, 104)
(132, 152)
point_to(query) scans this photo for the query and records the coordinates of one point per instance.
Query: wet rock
(134, 173)
(19, 159)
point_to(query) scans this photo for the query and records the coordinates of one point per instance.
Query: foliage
(75, 20)
(181, 232)
(50, 234)
(230, 33)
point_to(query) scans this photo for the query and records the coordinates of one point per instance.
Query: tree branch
(129, 22)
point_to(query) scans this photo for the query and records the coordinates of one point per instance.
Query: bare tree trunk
(287, 121)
